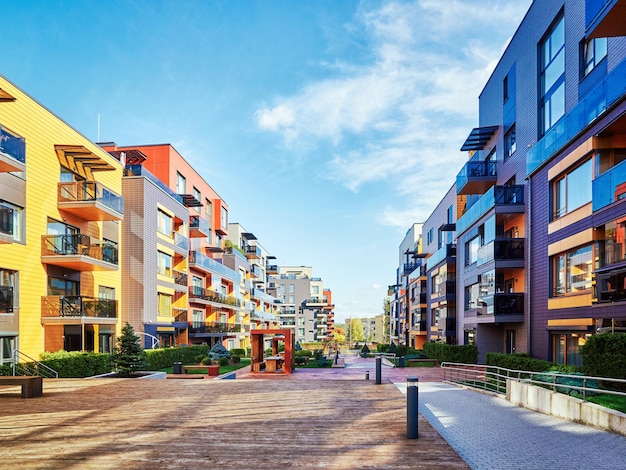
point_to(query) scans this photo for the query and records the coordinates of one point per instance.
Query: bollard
(379, 362)
(401, 361)
(412, 402)
(367, 375)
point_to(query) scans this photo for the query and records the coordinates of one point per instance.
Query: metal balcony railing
(79, 244)
(78, 306)
(90, 191)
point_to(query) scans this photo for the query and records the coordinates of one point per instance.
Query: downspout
(529, 267)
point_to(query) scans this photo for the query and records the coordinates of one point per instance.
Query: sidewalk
(490, 433)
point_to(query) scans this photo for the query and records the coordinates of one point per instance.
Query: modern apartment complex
(61, 210)
(307, 307)
(533, 227)
(96, 235)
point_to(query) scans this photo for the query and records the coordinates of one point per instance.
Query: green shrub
(323, 362)
(301, 360)
(163, 358)
(304, 353)
(318, 354)
(76, 364)
(222, 361)
(382, 348)
(206, 361)
(465, 354)
(604, 355)
(518, 361)
(129, 356)
(401, 350)
(236, 359)
(392, 349)
(365, 349)
(199, 358)
(241, 352)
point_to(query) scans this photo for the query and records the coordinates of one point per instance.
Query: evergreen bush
(604, 355)
(129, 356)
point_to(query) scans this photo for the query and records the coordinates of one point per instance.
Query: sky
(329, 127)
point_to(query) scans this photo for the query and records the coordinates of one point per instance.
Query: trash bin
(401, 361)
(178, 367)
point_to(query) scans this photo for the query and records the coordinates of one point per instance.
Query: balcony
(446, 252)
(255, 271)
(476, 177)
(209, 265)
(315, 301)
(199, 227)
(180, 278)
(262, 295)
(213, 328)
(79, 252)
(502, 307)
(252, 251)
(610, 285)
(202, 295)
(12, 152)
(6, 299)
(420, 326)
(609, 187)
(181, 242)
(595, 102)
(271, 269)
(445, 289)
(6, 224)
(77, 306)
(605, 18)
(509, 251)
(505, 199)
(408, 268)
(90, 200)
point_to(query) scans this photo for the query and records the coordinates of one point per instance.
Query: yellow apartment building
(60, 224)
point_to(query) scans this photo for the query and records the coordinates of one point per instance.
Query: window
(208, 210)
(292, 287)
(510, 144)
(505, 89)
(429, 237)
(197, 318)
(572, 190)
(181, 184)
(12, 220)
(471, 296)
(224, 219)
(198, 196)
(164, 223)
(571, 271)
(292, 299)
(471, 251)
(8, 290)
(165, 264)
(552, 65)
(315, 290)
(165, 305)
(593, 51)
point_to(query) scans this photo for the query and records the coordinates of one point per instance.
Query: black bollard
(367, 375)
(412, 403)
(379, 363)
(336, 356)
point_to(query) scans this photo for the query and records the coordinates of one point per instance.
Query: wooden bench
(434, 361)
(213, 371)
(32, 386)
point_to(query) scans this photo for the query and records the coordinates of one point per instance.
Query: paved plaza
(313, 418)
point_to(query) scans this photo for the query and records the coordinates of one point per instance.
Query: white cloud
(402, 116)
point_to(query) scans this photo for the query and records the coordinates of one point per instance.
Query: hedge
(465, 354)
(76, 364)
(604, 355)
(163, 358)
(519, 361)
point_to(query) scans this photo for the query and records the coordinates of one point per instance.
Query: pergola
(272, 363)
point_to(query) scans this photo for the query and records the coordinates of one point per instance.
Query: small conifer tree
(129, 356)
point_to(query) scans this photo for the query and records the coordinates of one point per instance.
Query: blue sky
(328, 126)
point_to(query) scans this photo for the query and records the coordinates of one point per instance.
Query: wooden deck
(245, 424)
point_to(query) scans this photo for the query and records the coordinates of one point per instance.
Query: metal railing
(30, 366)
(494, 378)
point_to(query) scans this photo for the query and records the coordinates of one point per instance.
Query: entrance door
(510, 341)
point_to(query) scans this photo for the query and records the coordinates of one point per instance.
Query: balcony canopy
(479, 137)
(5, 96)
(76, 157)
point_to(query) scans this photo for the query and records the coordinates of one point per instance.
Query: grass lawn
(614, 402)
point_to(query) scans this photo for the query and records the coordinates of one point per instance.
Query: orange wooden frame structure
(257, 340)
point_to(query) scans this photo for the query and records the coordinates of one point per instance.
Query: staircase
(26, 365)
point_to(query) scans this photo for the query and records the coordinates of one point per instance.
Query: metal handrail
(31, 366)
(494, 378)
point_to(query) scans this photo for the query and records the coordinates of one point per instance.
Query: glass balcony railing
(199, 226)
(214, 327)
(261, 295)
(503, 304)
(209, 264)
(138, 170)
(181, 241)
(14, 147)
(79, 244)
(495, 196)
(446, 251)
(476, 176)
(252, 251)
(90, 191)
(502, 249)
(78, 306)
(212, 296)
(609, 187)
(180, 278)
(599, 98)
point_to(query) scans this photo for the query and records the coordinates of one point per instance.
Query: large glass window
(165, 264)
(181, 184)
(572, 271)
(164, 223)
(572, 190)
(8, 290)
(471, 251)
(12, 220)
(552, 50)
(165, 304)
(509, 142)
(198, 196)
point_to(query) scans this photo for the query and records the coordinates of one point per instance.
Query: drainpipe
(529, 269)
